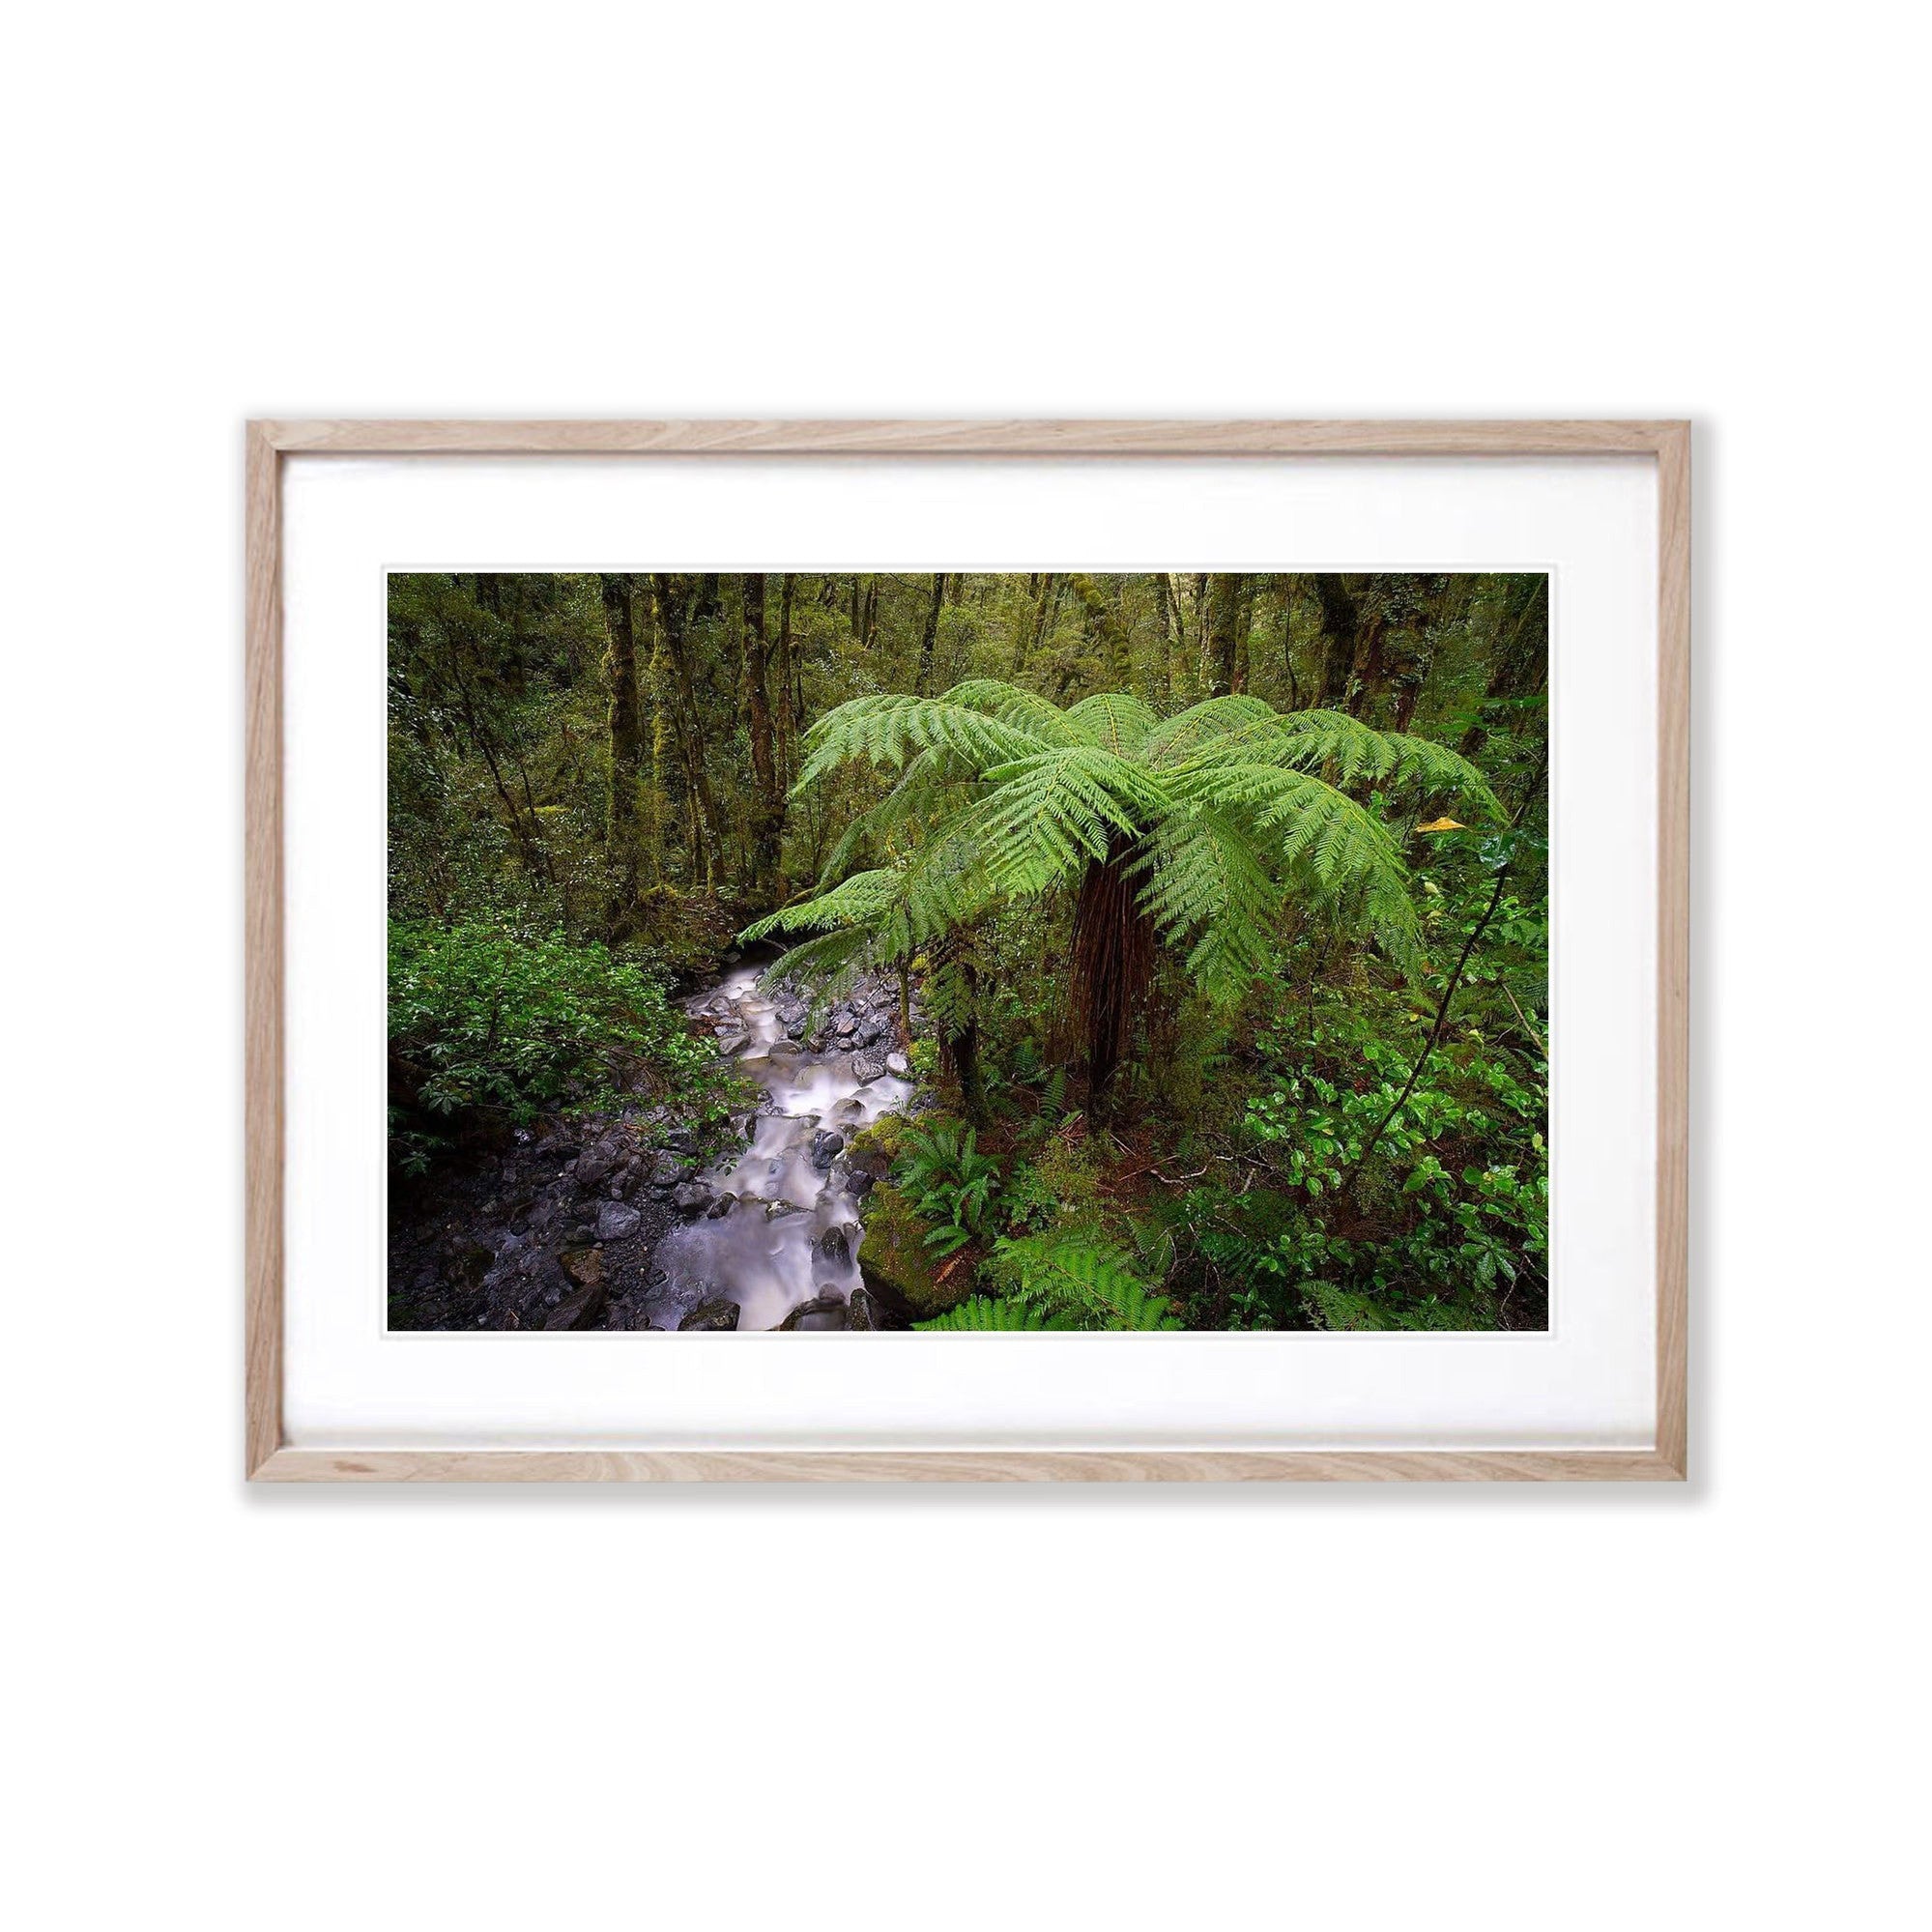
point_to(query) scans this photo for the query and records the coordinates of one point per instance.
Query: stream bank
(618, 1221)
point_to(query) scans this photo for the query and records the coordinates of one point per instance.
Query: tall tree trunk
(1369, 672)
(530, 838)
(787, 714)
(1164, 605)
(930, 636)
(1288, 643)
(965, 1054)
(1244, 625)
(624, 815)
(671, 618)
(1177, 609)
(767, 803)
(1224, 631)
(959, 1028)
(1339, 618)
(1027, 649)
(1109, 631)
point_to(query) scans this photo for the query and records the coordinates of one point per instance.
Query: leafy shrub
(489, 1031)
(1455, 1193)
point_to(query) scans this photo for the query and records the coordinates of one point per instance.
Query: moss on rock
(897, 1264)
(874, 1148)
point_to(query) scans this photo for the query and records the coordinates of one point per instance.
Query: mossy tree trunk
(1108, 630)
(1339, 616)
(1224, 605)
(767, 801)
(625, 831)
(667, 597)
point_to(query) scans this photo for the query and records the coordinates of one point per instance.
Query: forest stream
(781, 1235)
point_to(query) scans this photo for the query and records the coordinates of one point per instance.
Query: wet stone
(815, 1305)
(617, 1221)
(583, 1310)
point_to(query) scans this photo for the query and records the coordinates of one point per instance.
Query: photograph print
(960, 951)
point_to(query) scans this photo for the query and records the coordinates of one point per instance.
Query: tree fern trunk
(1113, 965)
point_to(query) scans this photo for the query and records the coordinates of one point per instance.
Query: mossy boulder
(897, 1266)
(874, 1148)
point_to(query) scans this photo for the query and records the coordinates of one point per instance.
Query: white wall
(1335, 1708)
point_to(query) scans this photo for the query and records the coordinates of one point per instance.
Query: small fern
(987, 1314)
(1090, 1281)
(948, 1180)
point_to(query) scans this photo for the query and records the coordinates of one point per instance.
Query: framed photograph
(968, 951)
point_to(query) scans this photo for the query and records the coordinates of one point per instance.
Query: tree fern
(1222, 816)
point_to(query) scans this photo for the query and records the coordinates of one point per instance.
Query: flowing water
(787, 1229)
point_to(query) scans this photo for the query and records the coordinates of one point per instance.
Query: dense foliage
(489, 1029)
(1227, 895)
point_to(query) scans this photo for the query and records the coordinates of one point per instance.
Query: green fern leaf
(988, 1315)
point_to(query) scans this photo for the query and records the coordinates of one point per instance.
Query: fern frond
(862, 899)
(1333, 849)
(933, 784)
(1026, 710)
(1186, 732)
(1434, 771)
(1337, 745)
(986, 1315)
(889, 728)
(1315, 739)
(830, 963)
(1092, 1282)
(1047, 815)
(1205, 883)
(1116, 721)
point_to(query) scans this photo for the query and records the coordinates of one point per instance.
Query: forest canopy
(1206, 913)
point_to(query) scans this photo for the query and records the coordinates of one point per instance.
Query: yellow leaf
(1444, 825)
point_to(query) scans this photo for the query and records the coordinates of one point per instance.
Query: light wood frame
(268, 1458)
